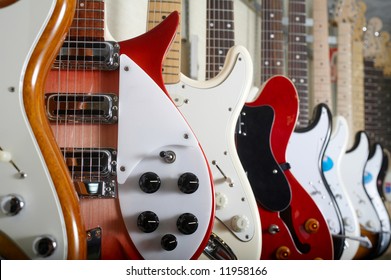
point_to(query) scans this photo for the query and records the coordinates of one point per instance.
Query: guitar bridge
(93, 171)
(82, 108)
(87, 56)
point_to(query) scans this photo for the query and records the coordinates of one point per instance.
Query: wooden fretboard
(158, 10)
(220, 34)
(272, 40)
(321, 61)
(88, 23)
(298, 56)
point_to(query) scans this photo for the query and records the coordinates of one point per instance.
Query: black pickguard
(267, 179)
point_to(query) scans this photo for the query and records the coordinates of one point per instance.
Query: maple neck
(344, 73)
(298, 56)
(88, 22)
(272, 40)
(158, 10)
(321, 61)
(220, 34)
(358, 86)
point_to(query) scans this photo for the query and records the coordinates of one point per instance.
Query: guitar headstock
(345, 11)
(382, 57)
(359, 21)
(371, 42)
(387, 68)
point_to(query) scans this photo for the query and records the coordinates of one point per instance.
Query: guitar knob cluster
(150, 182)
(187, 223)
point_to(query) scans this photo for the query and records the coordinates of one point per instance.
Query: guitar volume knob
(188, 183)
(149, 182)
(187, 223)
(283, 253)
(311, 225)
(169, 242)
(239, 223)
(12, 204)
(147, 221)
(45, 246)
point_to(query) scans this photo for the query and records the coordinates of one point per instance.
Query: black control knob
(187, 223)
(147, 221)
(149, 182)
(188, 182)
(169, 242)
(11, 205)
(45, 246)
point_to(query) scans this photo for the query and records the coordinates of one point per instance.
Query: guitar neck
(298, 56)
(358, 86)
(344, 70)
(272, 40)
(220, 34)
(157, 11)
(321, 62)
(88, 22)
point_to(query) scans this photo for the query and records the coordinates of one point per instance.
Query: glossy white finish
(149, 123)
(352, 170)
(22, 23)
(304, 153)
(212, 109)
(372, 170)
(332, 172)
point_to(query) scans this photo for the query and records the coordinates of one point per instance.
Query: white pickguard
(149, 123)
(352, 170)
(41, 215)
(372, 170)
(212, 109)
(304, 153)
(332, 172)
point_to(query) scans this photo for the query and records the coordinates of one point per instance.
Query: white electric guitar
(371, 173)
(331, 167)
(39, 218)
(352, 170)
(305, 151)
(212, 109)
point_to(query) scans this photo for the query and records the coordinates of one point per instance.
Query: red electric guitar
(292, 225)
(129, 151)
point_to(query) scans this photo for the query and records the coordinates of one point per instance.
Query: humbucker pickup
(93, 170)
(82, 108)
(88, 56)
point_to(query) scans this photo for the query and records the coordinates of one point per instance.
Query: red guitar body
(302, 230)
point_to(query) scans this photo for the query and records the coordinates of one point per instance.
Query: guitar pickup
(93, 170)
(82, 108)
(75, 55)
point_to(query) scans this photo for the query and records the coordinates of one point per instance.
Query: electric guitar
(331, 167)
(212, 108)
(343, 124)
(352, 170)
(371, 174)
(39, 214)
(128, 149)
(292, 225)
